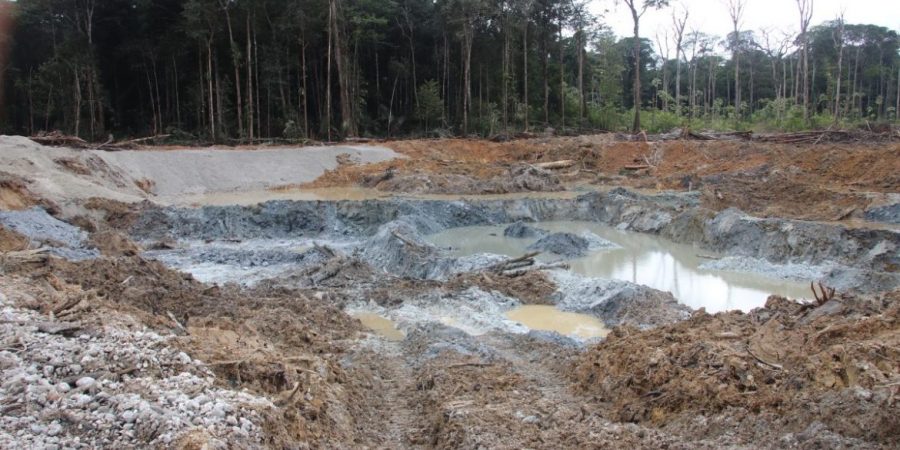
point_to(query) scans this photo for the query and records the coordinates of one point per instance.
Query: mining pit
(451, 294)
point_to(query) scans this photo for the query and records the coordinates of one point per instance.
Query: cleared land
(107, 341)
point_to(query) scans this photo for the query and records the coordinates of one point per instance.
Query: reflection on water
(642, 258)
(380, 325)
(548, 318)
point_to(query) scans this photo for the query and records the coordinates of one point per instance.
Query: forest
(248, 70)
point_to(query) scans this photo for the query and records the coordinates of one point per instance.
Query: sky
(711, 16)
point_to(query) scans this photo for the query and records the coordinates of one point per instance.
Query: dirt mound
(14, 194)
(531, 288)
(10, 241)
(763, 193)
(791, 364)
(517, 178)
(276, 343)
(803, 177)
(113, 243)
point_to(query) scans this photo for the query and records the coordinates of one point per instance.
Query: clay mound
(518, 178)
(10, 241)
(563, 244)
(521, 230)
(805, 365)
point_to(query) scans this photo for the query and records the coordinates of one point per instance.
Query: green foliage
(431, 106)
(149, 65)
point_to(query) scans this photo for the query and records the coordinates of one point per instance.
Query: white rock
(54, 429)
(129, 416)
(63, 387)
(85, 382)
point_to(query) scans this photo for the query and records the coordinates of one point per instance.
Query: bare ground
(784, 375)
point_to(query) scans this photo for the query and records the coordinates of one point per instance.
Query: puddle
(548, 318)
(380, 325)
(643, 259)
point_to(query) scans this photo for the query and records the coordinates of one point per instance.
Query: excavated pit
(379, 307)
(629, 258)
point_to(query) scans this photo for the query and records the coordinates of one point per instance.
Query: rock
(521, 230)
(85, 382)
(54, 429)
(563, 244)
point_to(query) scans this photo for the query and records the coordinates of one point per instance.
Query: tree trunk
(249, 81)
(562, 79)
(258, 114)
(348, 124)
(737, 85)
(328, 72)
(304, 89)
(235, 59)
(546, 73)
(177, 95)
(412, 54)
(636, 125)
(840, 68)
(525, 72)
(468, 37)
(582, 100)
(505, 91)
(30, 103)
(212, 119)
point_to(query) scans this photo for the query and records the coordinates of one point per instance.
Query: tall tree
(736, 12)
(638, 9)
(679, 22)
(806, 11)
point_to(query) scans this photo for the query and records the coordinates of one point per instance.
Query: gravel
(111, 388)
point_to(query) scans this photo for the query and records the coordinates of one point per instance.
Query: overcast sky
(711, 16)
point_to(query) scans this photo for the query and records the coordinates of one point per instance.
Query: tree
(736, 12)
(679, 22)
(638, 9)
(838, 37)
(806, 11)
(430, 103)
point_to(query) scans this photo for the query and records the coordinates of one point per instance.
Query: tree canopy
(239, 70)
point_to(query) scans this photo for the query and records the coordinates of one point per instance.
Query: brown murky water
(640, 258)
(548, 318)
(380, 325)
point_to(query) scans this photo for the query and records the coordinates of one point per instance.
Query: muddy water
(643, 259)
(548, 318)
(380, 325)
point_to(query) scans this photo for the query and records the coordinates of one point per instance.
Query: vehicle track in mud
(317, 379)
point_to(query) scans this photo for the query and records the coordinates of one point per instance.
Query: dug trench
(184, 327)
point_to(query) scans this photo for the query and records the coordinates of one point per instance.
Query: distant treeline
(327, 69)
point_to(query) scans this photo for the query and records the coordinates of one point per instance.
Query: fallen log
(521, 272)
(500, 266)
(636, 167)
(57, 139)
(130, 144)
(564, 164)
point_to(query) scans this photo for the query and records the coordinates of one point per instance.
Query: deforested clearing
(472, 224)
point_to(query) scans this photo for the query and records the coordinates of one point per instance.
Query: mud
(233, 324)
